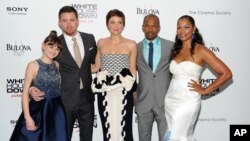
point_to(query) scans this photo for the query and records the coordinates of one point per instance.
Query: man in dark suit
(154, 78)
(77, 96)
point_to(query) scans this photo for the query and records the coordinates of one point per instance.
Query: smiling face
(115, 25)
(51, 50)
(185, 29)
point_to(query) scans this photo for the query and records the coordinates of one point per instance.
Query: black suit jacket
(71, 73)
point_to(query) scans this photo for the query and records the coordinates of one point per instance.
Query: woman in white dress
(183, 99)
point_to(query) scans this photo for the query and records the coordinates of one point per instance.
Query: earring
(193, 36)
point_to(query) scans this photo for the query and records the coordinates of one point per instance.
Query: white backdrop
(224, 25)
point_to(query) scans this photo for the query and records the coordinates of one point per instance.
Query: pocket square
(90, 48)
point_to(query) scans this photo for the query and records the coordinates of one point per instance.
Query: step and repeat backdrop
(224, 25)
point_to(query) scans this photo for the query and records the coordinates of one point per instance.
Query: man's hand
(36, 94)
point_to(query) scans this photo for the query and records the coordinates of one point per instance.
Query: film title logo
(206, 82)
(76, 124)
(14, 86)
(86, 12)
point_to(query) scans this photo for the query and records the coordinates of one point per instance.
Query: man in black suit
(77, 96)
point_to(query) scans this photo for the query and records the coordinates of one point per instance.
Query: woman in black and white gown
(115, 81)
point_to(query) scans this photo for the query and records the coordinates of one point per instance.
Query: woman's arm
(95, 67)
(132, 58)
(218, 66)
(30, 74)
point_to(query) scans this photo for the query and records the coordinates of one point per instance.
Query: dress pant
(84, 114)
(146, 120)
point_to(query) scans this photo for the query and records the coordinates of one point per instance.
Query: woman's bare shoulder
(102, 41)
(130, 42)
(57, 64)
(32, 68)
(202, 50)
(33, 64)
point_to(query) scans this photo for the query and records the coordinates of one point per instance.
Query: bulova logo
(146, 11)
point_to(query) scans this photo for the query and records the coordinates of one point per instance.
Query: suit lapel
(164, 53)
(86, 51)
(141, 55)
(161, 59)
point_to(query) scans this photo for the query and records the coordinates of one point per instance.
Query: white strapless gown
(182, 106)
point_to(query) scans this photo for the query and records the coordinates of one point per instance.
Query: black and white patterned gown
(114, 86)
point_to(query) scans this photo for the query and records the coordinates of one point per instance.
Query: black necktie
(150, 55)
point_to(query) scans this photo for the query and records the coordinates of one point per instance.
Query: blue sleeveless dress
(48, 114)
